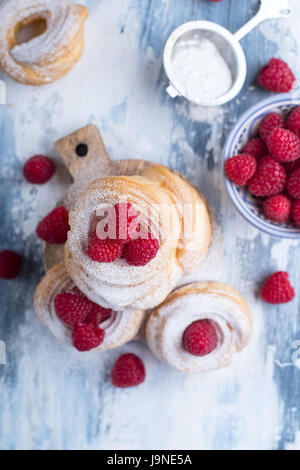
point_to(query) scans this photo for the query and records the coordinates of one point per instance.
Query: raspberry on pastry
(119, 326)
(200, 338)
(126, 221)
(199, 327)
(87, 336)
(98, 314)
(72, 307)
(141, 251)
(104, 251)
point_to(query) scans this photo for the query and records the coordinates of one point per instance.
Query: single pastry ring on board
(48, 56)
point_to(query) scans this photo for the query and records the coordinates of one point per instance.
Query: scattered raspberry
(277, 208)
(141, 251)
(200, 338)
(270, 122)
(72, 307)
(295, 214)
(55, 226)
(290, 167)
(256, 147)
(277, 289)
(128, 371)
(104, 251)
(284, 145)
(277, 76)
(269, 179)
(10, 264)
(126, 221)
(293, 184)
(240, 168)
(293, 122)
(38, 169)
(98, 314)
(87, 336)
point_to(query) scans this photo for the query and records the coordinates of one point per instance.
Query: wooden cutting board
(86, 158)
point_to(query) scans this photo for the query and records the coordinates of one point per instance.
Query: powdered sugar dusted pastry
(212, 266)
(52, 54)
(195, 224)
(199, 327)
(119, 284)
(119, 328)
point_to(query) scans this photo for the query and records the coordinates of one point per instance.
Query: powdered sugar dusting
(39, 53)
(212, 302)
(118, 284)
(119, 328)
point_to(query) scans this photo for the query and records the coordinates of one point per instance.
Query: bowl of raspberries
(262, 166)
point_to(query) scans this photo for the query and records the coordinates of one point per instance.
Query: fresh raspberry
(240, 168)
(72, 307)
(55, 226)
(293, 122)
(104, 251)
(128, 371)
(284, 145)
(38, 169)
(270, 122)
(98, 314)
(290, 167)
(87, 336)
(277, 208)
(295, 213)
(293, 184)
(277, 289)
(269, 179)
(126, 221)
(200, 338)
(277, 76)
(141, 251)
(10, 264)
(256, 147)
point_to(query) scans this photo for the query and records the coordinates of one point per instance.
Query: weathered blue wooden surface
(52, 397)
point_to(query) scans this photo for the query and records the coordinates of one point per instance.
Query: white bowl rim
(269, 227)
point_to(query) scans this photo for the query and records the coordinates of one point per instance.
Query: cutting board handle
(83, 148)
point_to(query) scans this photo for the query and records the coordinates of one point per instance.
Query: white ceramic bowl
(242, 132)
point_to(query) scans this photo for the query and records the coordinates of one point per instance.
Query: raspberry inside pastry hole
(72, 307)
(30, 30)
(200, 338)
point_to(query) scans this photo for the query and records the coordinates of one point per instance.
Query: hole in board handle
(82, 150)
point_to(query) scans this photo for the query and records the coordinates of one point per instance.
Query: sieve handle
(269, 9)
